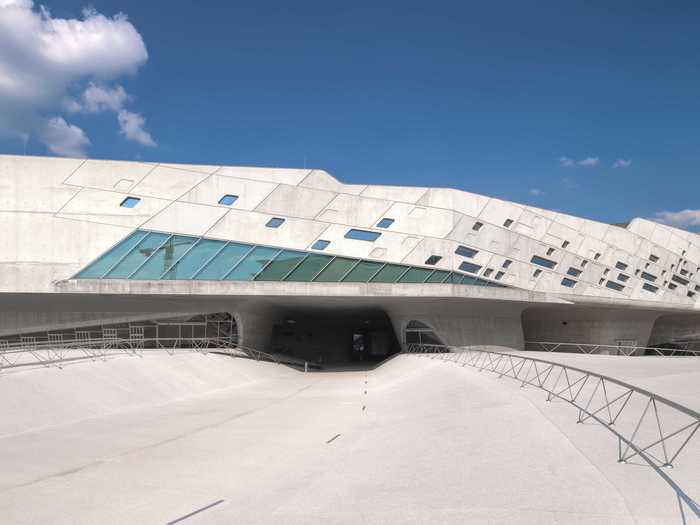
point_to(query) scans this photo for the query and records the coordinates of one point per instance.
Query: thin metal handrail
(590, 348)
(516, 367)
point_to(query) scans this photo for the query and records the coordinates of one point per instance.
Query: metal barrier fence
(647, 426)
(54, 351)
(624, 350)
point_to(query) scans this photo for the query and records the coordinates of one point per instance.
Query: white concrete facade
(59, 215)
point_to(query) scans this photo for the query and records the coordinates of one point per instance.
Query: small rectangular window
(320, 244)
(615, 286)
(536, 259)
(469, 267)
(680, 280)
(466, 252)
(507, 263)
(508, 223)
(575, 272)
(550, 251)
(385, 223)
(697, 287)
(228, 199)
(622, 277)
(275, 222)
(620, 265)
(488, 272)
(672, 286)
(601, 281)
(691, 294)
(537, 273)
(584, 263)
(648, 277)
(130, 202)
(650, 288)
(596, 256)
(477, 226)
(499, 275)
(569, 283)
(433, 260)
(684, 272)
(362, 235)
(565, 244)
(654, 258)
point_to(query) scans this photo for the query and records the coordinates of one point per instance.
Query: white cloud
(43, 60)
(566, 162)
(589, 161)
(681, 219)
(131, 126)
(62, 138)
(621, 163)
(536, 192)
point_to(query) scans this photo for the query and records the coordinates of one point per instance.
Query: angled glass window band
(225, 259)
(363, 272)
(433, 260)
(284, 263)
(454, 278)
(415, 275)
(194, 260)
(309, 268)
(385, 222)
(167, 255)
(320, 244)
(130, 202)
(469, 267)
(438, 276)
(335, 270)
(362, 235)
(275, 222)
(228, 199)
(390, 273)
(98, 268)
(466, 252)
(252, 264)
(137, 256)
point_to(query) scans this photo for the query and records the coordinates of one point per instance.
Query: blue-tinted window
(433, 260)
(228, 199)
(622, 277)
(130, 202)
(506, 263)
(469, 267)
(195, 259)
(500, 275)
(221, 264)
(97, 269)
(614, 286)
(620, 265)
(137, 256)
(650, 288)
(252, 263)
(385, 223)
(536, 259)
(275, 222)
(362, 235)
(466, 252)
(575, 272)
(569, 283)
(167, 255)
(320, 244)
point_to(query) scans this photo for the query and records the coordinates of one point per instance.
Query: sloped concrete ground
(210, 439)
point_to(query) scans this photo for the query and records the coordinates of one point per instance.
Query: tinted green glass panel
(438, 276)
(281, 266)
(194, 259)
(415, 275)
(389, 274)
(335, 271)
(309, 268)
(109, 259)
(164, 257)
(363, 272)
(137, 256)
(252, 263)
(454, 278)
(226, 259)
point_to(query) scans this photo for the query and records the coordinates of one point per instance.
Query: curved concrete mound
(194, 438)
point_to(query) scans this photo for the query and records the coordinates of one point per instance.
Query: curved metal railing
(648, 426)
(623, 350)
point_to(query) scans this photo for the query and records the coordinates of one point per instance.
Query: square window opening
(275, 222)
(385, 222)
(130, 202)
(320, 244)
(228, 199)
(433, 260)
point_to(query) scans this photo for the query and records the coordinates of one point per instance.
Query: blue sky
(488, 97)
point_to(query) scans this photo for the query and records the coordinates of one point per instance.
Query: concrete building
(294, 261)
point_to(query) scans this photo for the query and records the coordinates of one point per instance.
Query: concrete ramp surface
(210, 439)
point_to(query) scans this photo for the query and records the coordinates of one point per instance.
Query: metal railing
(647, 426)
(55, 351)
(624, 350)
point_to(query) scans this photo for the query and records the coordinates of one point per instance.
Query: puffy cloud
(621, 163)
(43, 59)
(566, 162)
(62, 138)
(131, 126)
(681, 219)
(589, 161)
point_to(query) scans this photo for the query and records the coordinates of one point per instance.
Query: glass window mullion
(149, 257)
(375, 273)
(268, 263)
(428, 276)
(180, 258)
(125, 255)
(210, 259)
(238, 262)
(306, 256)
(408, 269)
(321, 270)
(349, 270)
